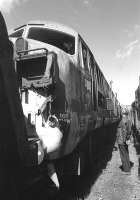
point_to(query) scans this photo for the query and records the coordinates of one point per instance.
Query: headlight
(40, 152)
(21, 44)
(53, 121)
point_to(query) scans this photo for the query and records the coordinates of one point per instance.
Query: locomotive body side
(63, 92)
(78, 95)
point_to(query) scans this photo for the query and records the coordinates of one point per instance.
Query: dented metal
(67, 84)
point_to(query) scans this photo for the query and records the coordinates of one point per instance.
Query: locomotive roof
(51, 25)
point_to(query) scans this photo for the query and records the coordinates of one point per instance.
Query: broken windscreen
(31, 68)
(56, 38)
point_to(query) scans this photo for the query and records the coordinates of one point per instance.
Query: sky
(111, 28)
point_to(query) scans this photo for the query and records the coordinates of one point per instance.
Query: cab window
(56, 38)
(17, 33)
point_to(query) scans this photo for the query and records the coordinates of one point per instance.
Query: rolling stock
(63, 91)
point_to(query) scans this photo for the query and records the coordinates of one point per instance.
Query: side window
(17, 33)
(98, 76)
(90, 62)
(86, 80)
(85, 57)
(88, 95)
(101, 100)
(94, 87)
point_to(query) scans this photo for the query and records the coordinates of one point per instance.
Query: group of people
(124, 133)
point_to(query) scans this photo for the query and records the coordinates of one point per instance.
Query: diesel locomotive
(63, 92)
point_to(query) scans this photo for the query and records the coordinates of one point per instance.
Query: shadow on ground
(78, 188)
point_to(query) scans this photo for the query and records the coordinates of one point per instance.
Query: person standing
(122, 145)
(128, 124)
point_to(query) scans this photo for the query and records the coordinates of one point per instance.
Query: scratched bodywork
(60, 80)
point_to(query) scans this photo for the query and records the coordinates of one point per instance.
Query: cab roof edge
(38, 24)
(15, 29)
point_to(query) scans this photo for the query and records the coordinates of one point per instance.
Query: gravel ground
(113, 184)
(102, 181)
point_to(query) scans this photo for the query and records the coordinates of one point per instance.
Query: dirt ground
(113, 184)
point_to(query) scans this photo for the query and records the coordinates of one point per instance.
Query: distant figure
(122, 145)
(128, 124)
(135, 134)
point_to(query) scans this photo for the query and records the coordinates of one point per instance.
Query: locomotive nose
(50, 133)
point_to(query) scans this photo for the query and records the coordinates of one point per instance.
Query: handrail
(27, 51)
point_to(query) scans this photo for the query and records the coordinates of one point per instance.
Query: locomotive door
(86, 80)
(92, 66)
(86, 86)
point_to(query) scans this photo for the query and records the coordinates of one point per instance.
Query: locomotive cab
(63, 91)
(37, 77)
